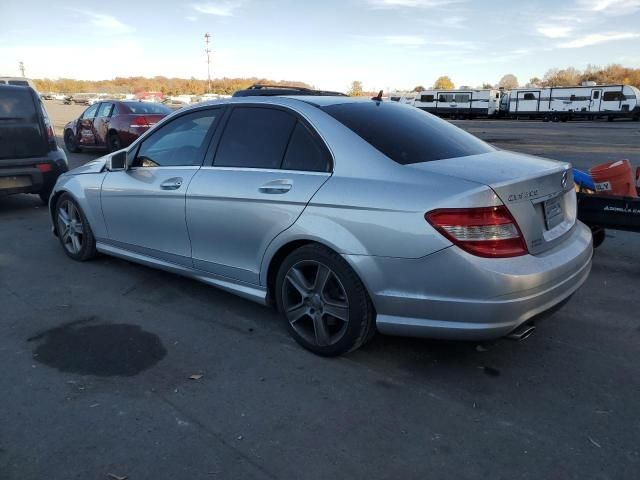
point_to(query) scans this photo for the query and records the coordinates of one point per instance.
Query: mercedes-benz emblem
(565, 178)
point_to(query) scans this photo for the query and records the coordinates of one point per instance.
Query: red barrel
(614, 178)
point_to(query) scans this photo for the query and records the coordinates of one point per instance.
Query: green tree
(444, 83)
(356, 89)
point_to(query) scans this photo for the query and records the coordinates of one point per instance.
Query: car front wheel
(73, 229)
(325, 305)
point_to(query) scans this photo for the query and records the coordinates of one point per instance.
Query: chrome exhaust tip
(522, 332)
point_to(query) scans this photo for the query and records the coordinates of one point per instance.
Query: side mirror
(117, 161)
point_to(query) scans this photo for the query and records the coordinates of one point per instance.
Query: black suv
(30, 160)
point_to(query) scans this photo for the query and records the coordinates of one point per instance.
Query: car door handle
(277, 186)
(171, 184)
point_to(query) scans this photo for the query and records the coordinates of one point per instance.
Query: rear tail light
(51, 135)
(485, 232)
(139, 122)
(44, 167)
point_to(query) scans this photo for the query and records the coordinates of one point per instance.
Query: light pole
(208, 52)
(21, 68)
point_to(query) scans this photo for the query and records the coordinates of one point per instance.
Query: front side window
(181, 142)
(305, 152)
(255, 138)
(405, 134)
(90, 112)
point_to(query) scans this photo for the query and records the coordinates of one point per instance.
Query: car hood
(94, 166)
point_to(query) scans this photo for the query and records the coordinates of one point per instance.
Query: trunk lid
(538, 192)
(21, 131)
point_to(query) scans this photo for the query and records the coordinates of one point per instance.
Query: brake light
(44, 167)
(139, 122)
(485, 232)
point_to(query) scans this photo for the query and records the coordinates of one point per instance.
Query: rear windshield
(406, 134)
(148, 108)
(17, 104)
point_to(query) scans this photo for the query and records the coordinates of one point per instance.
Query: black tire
(70, 142)
(45, 193)
(87, 241)
(113, 142)
(599, 235)
(340, 336)
(545, 118)
(610, 118)
(555, 118)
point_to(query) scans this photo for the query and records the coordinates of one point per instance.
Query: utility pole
(21, 68)
(208, 52)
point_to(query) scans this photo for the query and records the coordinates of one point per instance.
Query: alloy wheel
(70, 227)
(315, 303)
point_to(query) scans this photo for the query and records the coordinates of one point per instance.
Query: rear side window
(255, 138)
(105, 110)
(16, 104)
(180, 142)
(22, 83)
(305, 152)
(406, 134)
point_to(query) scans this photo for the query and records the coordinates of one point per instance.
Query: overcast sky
(393, 44)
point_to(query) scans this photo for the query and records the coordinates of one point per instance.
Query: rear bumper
(23, 175)
(452, 294)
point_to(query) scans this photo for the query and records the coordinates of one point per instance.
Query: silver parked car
(348, 215)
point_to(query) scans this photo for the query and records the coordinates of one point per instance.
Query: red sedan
(112, 125)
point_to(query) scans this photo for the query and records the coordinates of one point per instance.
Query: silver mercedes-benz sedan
(350, 216)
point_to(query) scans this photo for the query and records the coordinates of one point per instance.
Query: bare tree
(508, 81)
(355, 90)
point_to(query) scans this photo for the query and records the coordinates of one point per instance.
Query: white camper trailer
(467, 103)
(565, 103)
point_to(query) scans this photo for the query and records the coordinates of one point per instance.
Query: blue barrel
(583, 179)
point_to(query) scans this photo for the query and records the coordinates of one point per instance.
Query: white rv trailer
(467, 103)
(564, 103)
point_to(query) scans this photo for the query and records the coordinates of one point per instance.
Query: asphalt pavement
(111, 368)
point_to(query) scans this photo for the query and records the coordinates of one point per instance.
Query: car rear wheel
(73, 229)
(324, 303)
(114, 142)
(70, 142)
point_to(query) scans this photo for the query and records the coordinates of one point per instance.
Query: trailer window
(446, 97)
(613, 96)
(427, 98)
(596, 95)
(463, 98)
(529, 96)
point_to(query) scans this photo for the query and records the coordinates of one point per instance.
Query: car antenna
(378, 98)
